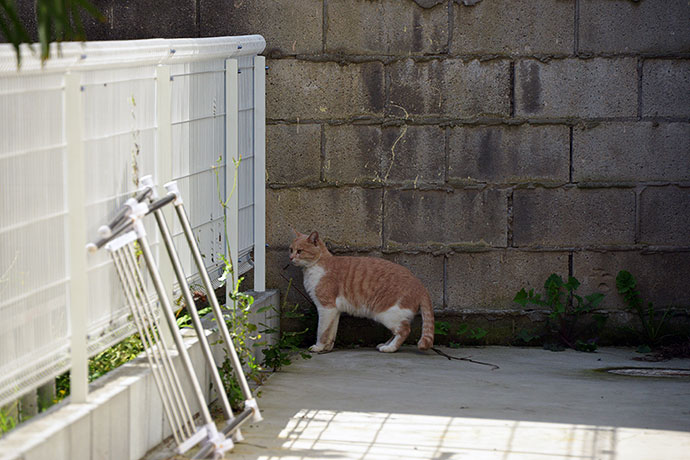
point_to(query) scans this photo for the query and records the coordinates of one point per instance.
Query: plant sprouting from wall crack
(566, 309)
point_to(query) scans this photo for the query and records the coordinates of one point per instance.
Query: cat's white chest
(312, 276)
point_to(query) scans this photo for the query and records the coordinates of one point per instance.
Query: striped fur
(361, 286)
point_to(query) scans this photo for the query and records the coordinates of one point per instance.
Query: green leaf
(595, 299)
(573, 283)
(588, 346)
(625, 281)
(526, 335)
(441, 328)
(643, 349)
(478, 333)
(553, 281)
(551, 346)
(462, 329)
(521, 297)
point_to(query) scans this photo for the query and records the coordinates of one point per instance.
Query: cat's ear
(314, 238)
(297, 234)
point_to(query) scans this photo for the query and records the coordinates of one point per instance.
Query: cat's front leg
(328, 327)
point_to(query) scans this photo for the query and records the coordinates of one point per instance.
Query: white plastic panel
(33, 277)
(120, 135)
(119, 147)
(198, 151)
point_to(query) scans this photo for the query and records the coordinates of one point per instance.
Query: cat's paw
(318, 348)
(383, 348)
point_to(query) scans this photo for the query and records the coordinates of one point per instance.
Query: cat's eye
(299, 251)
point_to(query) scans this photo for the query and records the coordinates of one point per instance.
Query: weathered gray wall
(483, 146)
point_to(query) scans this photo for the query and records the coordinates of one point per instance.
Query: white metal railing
(75, 135)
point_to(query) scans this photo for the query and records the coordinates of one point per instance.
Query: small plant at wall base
(475, 334)
(280, 353)
(567, 309)
(243, 333)
(653, 322)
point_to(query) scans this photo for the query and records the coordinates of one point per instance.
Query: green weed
(566, 309)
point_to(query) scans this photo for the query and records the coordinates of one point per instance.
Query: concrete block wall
(483, 143)
(483, 146)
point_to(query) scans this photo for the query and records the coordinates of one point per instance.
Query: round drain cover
(650, 372)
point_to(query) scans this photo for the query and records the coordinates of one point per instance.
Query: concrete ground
(365, 405)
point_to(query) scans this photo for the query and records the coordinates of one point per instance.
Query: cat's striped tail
(427, 310)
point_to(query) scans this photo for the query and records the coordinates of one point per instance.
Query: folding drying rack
(119, 237)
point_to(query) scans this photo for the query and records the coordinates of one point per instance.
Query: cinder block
(578, 88)
(476, 88)
(635, 151)
(490, 280)
(357, 154)
(661, 277)
(665, 216)
(450, 87)
(573, 217)
(416, 88)
(624, 26)
(289, 26)
(385, 27)
(345, 216)
(428, 268)
(666, 88)
(279, 272)
(522, 27)
(413, 155)
(139, 19)
(353, 154)
(323, 90)
(509, 154)
(416, 218)
(293, 153)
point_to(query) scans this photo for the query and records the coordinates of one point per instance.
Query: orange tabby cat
(361, 286)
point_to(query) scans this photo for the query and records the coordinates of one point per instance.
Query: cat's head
(306, 250)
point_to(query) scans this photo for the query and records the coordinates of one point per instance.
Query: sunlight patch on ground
(326, 434)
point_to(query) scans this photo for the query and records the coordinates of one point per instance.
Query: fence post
(164, 174)
(259, 173)
(231, 171)
(76, 235)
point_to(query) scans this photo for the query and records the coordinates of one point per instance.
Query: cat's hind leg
(401, 333)
(398, 321)
(327, 329)
(385, 344)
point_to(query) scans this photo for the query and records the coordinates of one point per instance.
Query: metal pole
(191, 307)
(170, 318)
(236, 364)
(259, 173)
(76, 231)
(163, 388)
(169, 367)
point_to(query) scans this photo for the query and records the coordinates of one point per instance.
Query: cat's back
(370, 281)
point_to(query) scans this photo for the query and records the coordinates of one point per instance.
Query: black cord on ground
(439, 352)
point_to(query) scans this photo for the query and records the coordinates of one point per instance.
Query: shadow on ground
(361, 404)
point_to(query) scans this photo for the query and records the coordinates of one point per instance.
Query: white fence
(75, 136)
